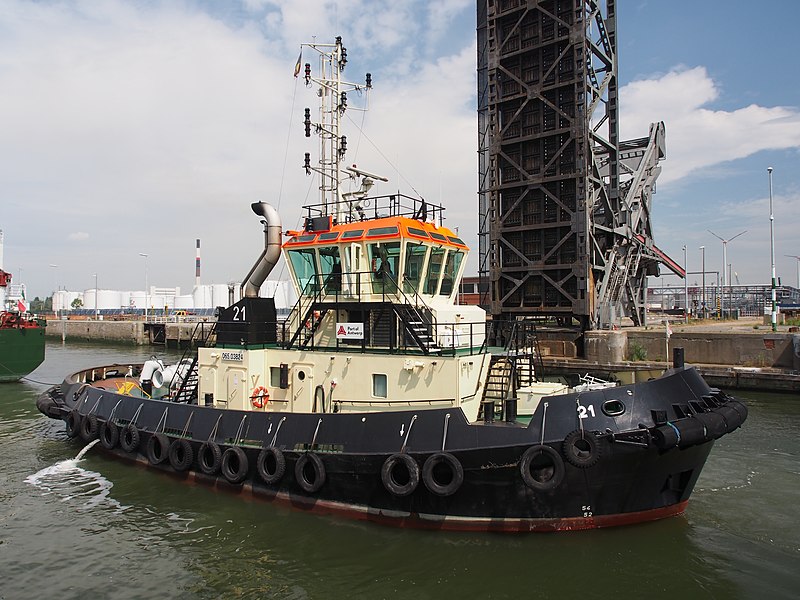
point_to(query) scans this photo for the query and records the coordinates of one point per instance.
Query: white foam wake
(67, 480)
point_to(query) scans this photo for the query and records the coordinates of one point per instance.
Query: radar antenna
(332, 92)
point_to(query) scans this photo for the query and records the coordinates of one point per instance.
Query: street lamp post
(703, 295)
(772, 254)
(798, 267)
(146, 290)
(725, 255)
(55, 285)
(685, 287)
(96, 312)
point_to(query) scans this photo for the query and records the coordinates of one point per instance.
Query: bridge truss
(564, 206)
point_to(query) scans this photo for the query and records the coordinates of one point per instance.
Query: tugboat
(21, 334)
(382, 399)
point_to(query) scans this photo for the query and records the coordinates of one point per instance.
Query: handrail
(390, 205)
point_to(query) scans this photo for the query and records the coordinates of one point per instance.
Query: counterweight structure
(564, 205)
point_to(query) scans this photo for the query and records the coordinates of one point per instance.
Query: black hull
(640, 465)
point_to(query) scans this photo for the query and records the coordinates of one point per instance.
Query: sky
(131, 128)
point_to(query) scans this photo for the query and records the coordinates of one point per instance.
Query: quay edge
(728, 359)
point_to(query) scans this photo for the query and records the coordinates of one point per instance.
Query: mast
(332, 92)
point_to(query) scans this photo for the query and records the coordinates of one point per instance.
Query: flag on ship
(297, 66)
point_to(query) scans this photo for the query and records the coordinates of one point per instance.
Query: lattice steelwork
(559, 234)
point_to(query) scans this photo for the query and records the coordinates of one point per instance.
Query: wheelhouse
(370, 259)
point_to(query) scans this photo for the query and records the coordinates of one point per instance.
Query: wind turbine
(798, 267)
(725, 252)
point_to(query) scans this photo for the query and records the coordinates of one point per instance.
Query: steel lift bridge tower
(564, 206)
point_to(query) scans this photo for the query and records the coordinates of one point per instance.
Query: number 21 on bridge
(585, 411)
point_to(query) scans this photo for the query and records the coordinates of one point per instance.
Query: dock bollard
(510, 411)
(677, 358)
(488, 411)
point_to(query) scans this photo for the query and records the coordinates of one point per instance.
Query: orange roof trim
(386, 228)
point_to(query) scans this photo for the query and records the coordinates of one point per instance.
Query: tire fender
(541, 468)
(400, 474)
(181, 455)
(234, 464)
(582, 449)
(157, 449)
(271, 465)
(109, 435)
(129, 438)
(442, 463)
(309, 471)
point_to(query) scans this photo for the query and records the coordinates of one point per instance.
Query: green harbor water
(96, 528)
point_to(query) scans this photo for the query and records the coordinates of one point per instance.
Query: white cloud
(699, 137)
(148, 126)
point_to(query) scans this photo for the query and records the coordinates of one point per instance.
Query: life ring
(180, 454)
(309, 471)
(541, 468)
(234, 464)
(129, 438)
(442, 474)
(581, 449)
(157, 449)
(209, 457)
(109, 435)
(73, 423)
(271, 465)
(400, 474)
(259, 397)
(89, 427)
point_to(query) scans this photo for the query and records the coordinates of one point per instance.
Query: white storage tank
(63, 299)
(137, 300)
(88, 298)
(107, 299)
(157, 301)
(202, 296)
(124, 300)
(185, 301)
(219, 295)
(281, 291)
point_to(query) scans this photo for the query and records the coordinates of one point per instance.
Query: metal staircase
(187, 392)
(418, 327)
(516, 366)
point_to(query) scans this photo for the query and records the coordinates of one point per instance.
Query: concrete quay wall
(125, 332)
(137, 333)
(763, 350)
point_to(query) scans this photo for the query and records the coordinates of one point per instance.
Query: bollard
(510, 411)
(677, 358)
(488, 411)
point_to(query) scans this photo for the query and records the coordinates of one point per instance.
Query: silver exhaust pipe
(272, 250)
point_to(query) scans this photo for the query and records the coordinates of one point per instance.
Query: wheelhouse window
(331, 269)
(304, 265)
(415, 261)
(434, 270)
(384, 264)
(451, 267)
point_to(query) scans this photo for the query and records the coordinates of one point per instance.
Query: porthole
(301, 375)
(613, 408)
